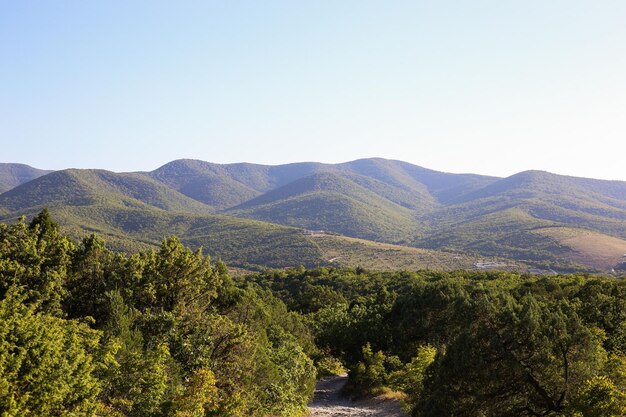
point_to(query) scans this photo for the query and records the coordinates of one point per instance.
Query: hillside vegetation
(332, 202)
(133, 212)
(166, 332)
(12, 175)
(380, 200)
(342, 251)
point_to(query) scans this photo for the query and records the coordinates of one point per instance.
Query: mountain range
(355, 213)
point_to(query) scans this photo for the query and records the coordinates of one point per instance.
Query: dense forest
(85, 331)
(467, 343)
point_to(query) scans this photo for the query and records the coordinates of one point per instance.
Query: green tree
(524, 357)
(92, 274)
(410, 379)
(47, 364)
(599, 397)
(136, 376)
(37, 258)
(198, 397)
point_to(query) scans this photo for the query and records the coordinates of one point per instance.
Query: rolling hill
(330, 201)
(12, 175)
(414, 187)
(204, 182)
(253, 215)
(134, 211)
(503, 218)
(587, 247)
(73, 187)
(345, 251)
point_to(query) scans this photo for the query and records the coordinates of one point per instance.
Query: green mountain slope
(75, 187)
(594, 204)
(503, 218)
(12, 175)
(133, 211)
(426, 183)
(204, 182)
(333, 202)
(222, 184)
(377, 199)
(226, 186)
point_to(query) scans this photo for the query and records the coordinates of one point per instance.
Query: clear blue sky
(492, 87)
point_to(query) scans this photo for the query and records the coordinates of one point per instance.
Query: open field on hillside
(351, 252)
(588, 247)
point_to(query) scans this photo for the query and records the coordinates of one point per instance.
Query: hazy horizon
(298, 162)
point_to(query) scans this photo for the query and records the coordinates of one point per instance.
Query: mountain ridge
(12, 175)
(381, 200)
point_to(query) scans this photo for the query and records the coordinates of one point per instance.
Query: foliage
(410, 379)
(329, 366)
(162, 333)
(86, 331)
(35, 257)
(47, 364)
(373, 373)
(468, 343)
(599, 397)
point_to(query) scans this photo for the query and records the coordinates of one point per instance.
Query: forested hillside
(327, 201)
(12, 175)
(533, 218)
(85, 331)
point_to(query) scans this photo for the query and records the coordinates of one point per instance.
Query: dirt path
(328, 402)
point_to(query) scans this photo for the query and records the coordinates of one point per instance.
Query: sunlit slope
(75, 187)
(588, 247)
(501, 219)
(351, 252)
(134, 212)
(205, 182)
(228, 185)
(435, 185)
(594, 204)
(375, 199)
(333, 202)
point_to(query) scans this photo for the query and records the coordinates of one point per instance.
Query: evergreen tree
(47, 364)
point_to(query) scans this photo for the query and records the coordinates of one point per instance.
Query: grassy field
(350, 252)
(588, 247)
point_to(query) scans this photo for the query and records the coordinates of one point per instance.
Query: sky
(489, 87)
